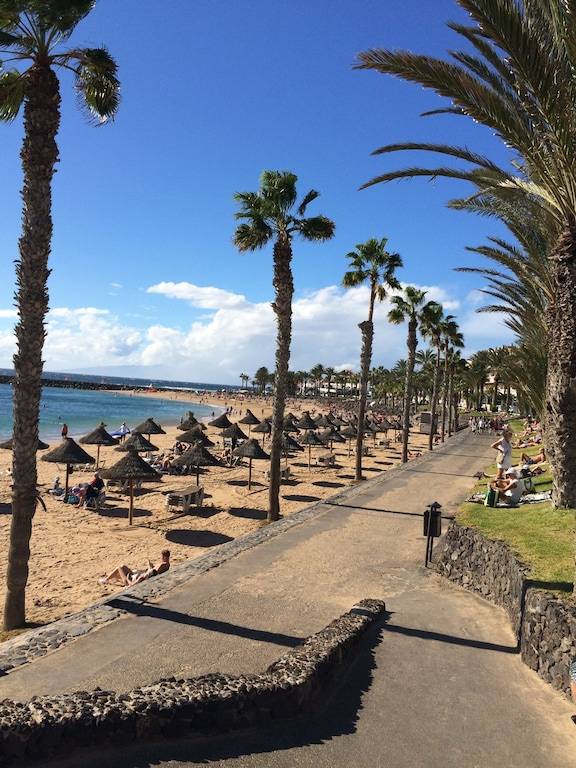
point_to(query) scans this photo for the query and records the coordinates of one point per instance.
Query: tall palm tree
(34, 35)
(452, 339)
(316, 373)
(496, 357)
(432, 330)
(410, 307)
(370, 263)
(262, 378)
(329, 374)
(520, 82)
(270, 214)
(244, 379)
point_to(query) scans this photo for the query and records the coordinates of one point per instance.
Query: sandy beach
(72, 547)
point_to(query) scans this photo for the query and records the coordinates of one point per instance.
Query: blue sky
(214, 92)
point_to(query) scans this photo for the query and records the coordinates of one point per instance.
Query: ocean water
(83, 410)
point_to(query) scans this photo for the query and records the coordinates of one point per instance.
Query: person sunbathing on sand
(126, 577)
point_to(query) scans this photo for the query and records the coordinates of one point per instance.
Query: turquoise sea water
(84, 409)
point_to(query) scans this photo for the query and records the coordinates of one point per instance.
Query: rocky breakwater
(49, 726)
(544, 624)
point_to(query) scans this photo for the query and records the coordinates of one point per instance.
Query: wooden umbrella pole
(97, 456)
(249, 474)
(66, 484)
(309, 452)
(131, 507)
(198, 474)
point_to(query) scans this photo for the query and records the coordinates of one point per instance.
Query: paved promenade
(441, 687)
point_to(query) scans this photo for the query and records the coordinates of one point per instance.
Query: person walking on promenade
(504, 448)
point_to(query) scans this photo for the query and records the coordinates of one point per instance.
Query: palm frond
(316, 228)
(12, 92)
(97, 82)
(251, 237)
(306, 200)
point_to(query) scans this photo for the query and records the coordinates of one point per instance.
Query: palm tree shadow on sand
(334, 712)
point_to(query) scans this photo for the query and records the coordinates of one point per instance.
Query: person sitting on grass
(511, 488)
(126, 577)
(537, 459)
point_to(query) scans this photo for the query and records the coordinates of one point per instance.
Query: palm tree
(329, 374)
(262, 378)
(370, 263)
(452, 338)
(432, 330)
(521, 83)
(478, 367)
(244, 378)
(316, 374)
(410, 307)
(34, 35)
(269, 214)
(496, 357)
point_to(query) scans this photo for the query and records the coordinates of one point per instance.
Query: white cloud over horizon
(234, 334)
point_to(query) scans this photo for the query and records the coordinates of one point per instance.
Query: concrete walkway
(441, 687)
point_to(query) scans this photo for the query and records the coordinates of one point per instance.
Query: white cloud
(198, 296)
(116, 286)
(8, 313)
(234, 334)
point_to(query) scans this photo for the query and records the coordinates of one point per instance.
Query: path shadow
(248, 512)
(335, 712)
(212, 625)
(329, 484)
(377, 509)
(5, 508)
(384, 463)
(426, 634)
(299, 497)
(197, 538)
(371, 469)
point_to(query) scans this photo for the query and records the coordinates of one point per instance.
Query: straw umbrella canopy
(263, 428)
(336, 422)
(351, 433)
(289, 444)
(220, 422)
(196, 456)
(310, 439)
(331, 436)
(149, 427)
(188, 422)
(306, 421)
(251, 449)
(7, 445)
(249, 419)
(69, 453)
(194, 435)
(324, 421)
(98, 437)
(130, 468)
(234, 432)
(137, 442)
(289, 425)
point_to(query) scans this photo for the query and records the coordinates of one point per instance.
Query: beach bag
(491, 498)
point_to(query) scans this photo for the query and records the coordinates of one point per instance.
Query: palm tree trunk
(39, 156)
(434, 401)
(450, 399)
(444, 392)
(495, 395)
(284, 290)
(367, 330)
(412, 344)
(561, 380)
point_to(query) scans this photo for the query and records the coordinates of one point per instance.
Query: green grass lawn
(542, 537)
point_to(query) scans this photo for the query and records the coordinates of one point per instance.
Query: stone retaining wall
(49, 726)
(545, 625)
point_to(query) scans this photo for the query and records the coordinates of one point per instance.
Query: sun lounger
(285, 474)
(184, 498)
(326, 460)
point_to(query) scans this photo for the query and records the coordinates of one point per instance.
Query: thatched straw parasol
(98, 437)
(196, 456)
(324, 421)
(234, 432)
(263, 428)
(220, 422)
(306, 422)
(7, 445)
(137, 442)
(250, 420)
(338, 422)
(149, 427)
(188, 422)
(350, 432)
(331, 436)
(310, 439)
(69, 453)
(131, 467)
(289, 425)
(194, 435)
(250, 450)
